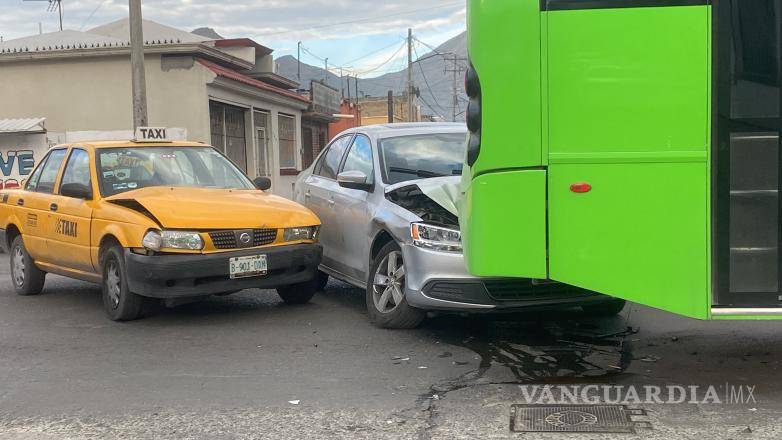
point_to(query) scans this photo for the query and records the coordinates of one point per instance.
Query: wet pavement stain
(557, 348)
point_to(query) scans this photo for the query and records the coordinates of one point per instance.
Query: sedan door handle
(331, 202)
(307, 194)
(53, 207)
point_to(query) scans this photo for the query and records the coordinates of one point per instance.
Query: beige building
(374, 110)
(223, 92)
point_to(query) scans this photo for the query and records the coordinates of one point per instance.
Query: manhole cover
(575, 418)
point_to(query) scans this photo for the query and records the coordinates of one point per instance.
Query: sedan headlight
(301, 233)
(436, 238)
(188, 240)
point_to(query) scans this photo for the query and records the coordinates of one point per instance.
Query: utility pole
(341, 88)
(410, 103)
(457, 70)
(326, 74)
(137, 66)
(298, 61)
(348, 81)
(390, 106)
(356, 78)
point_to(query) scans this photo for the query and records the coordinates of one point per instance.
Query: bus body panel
(628, 238)
(505, 41)
(628, 108)
(513, 244)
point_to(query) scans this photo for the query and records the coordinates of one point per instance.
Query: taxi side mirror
(76, 190)
(262, 183)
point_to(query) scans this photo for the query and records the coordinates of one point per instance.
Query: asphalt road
(247, 366)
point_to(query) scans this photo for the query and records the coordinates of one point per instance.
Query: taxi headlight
(436, 238)
(301, 233)
(157, 240)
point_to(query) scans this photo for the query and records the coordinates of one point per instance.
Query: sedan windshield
(125, 169)
(419, 156)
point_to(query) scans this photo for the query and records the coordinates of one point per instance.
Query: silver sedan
(386, 195)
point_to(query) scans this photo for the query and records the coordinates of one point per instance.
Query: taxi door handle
(20, 202)
(53, 207)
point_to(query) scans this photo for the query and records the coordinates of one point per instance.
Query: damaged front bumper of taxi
(177, 275)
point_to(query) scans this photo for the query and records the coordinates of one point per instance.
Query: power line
(100, 5)
(426, 81)
(362, 20)
(393, 56)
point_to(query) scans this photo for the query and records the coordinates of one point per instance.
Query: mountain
(433, 76)
(207, 32)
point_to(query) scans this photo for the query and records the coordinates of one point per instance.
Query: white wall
(19, 153)
(281, 185)
(86, 94)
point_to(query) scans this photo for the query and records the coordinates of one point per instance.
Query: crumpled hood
(443, 190)
(203, 208)
(432, 199)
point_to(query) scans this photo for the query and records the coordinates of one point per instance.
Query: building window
(228, 132)
(262, 131)
(287, 129)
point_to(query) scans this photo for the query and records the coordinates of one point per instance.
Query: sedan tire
(119, 302)
(25, 275)
(385, 297)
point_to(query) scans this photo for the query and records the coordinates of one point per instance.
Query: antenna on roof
(54, 5)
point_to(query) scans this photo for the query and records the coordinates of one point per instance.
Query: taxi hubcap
(113, 283)
(388, 286)
(18, 266)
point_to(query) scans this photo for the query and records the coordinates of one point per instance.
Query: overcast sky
(345, 31)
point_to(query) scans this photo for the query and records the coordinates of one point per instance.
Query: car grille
(227, 239)
(525, 290)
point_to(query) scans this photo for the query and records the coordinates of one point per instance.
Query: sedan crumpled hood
(203, 208)
(432, 199)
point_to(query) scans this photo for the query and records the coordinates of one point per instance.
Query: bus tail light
(473, 87)
(581, 187)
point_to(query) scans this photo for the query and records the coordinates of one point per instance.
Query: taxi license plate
(250, 266)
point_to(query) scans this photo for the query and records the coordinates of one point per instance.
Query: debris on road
(294, 402)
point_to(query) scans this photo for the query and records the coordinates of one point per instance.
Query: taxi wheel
(385, 298)
(604, 309)
(300, 293)
(119, 302)
(27, 278)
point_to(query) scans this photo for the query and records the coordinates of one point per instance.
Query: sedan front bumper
(440, 281)
(190, 275)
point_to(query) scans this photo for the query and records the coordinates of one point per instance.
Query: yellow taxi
(156, 220)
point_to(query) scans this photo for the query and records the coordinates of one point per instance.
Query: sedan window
(45, 183)
(420, 156)
(360, 157)
(329, 162)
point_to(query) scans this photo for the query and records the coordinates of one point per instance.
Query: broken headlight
(301, 233)
(436, 238)
(157, 240)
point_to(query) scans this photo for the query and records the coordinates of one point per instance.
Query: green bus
(630, 147)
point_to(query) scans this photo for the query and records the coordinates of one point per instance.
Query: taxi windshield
(125, 169)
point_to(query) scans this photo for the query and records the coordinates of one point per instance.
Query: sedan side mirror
(354, 180)
(76, 190)
(262, 183)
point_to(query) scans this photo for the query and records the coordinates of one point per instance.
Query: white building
(224, 92)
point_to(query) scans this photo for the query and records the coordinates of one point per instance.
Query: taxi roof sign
(151, 134)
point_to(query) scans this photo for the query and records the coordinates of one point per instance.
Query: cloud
(343, 29)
